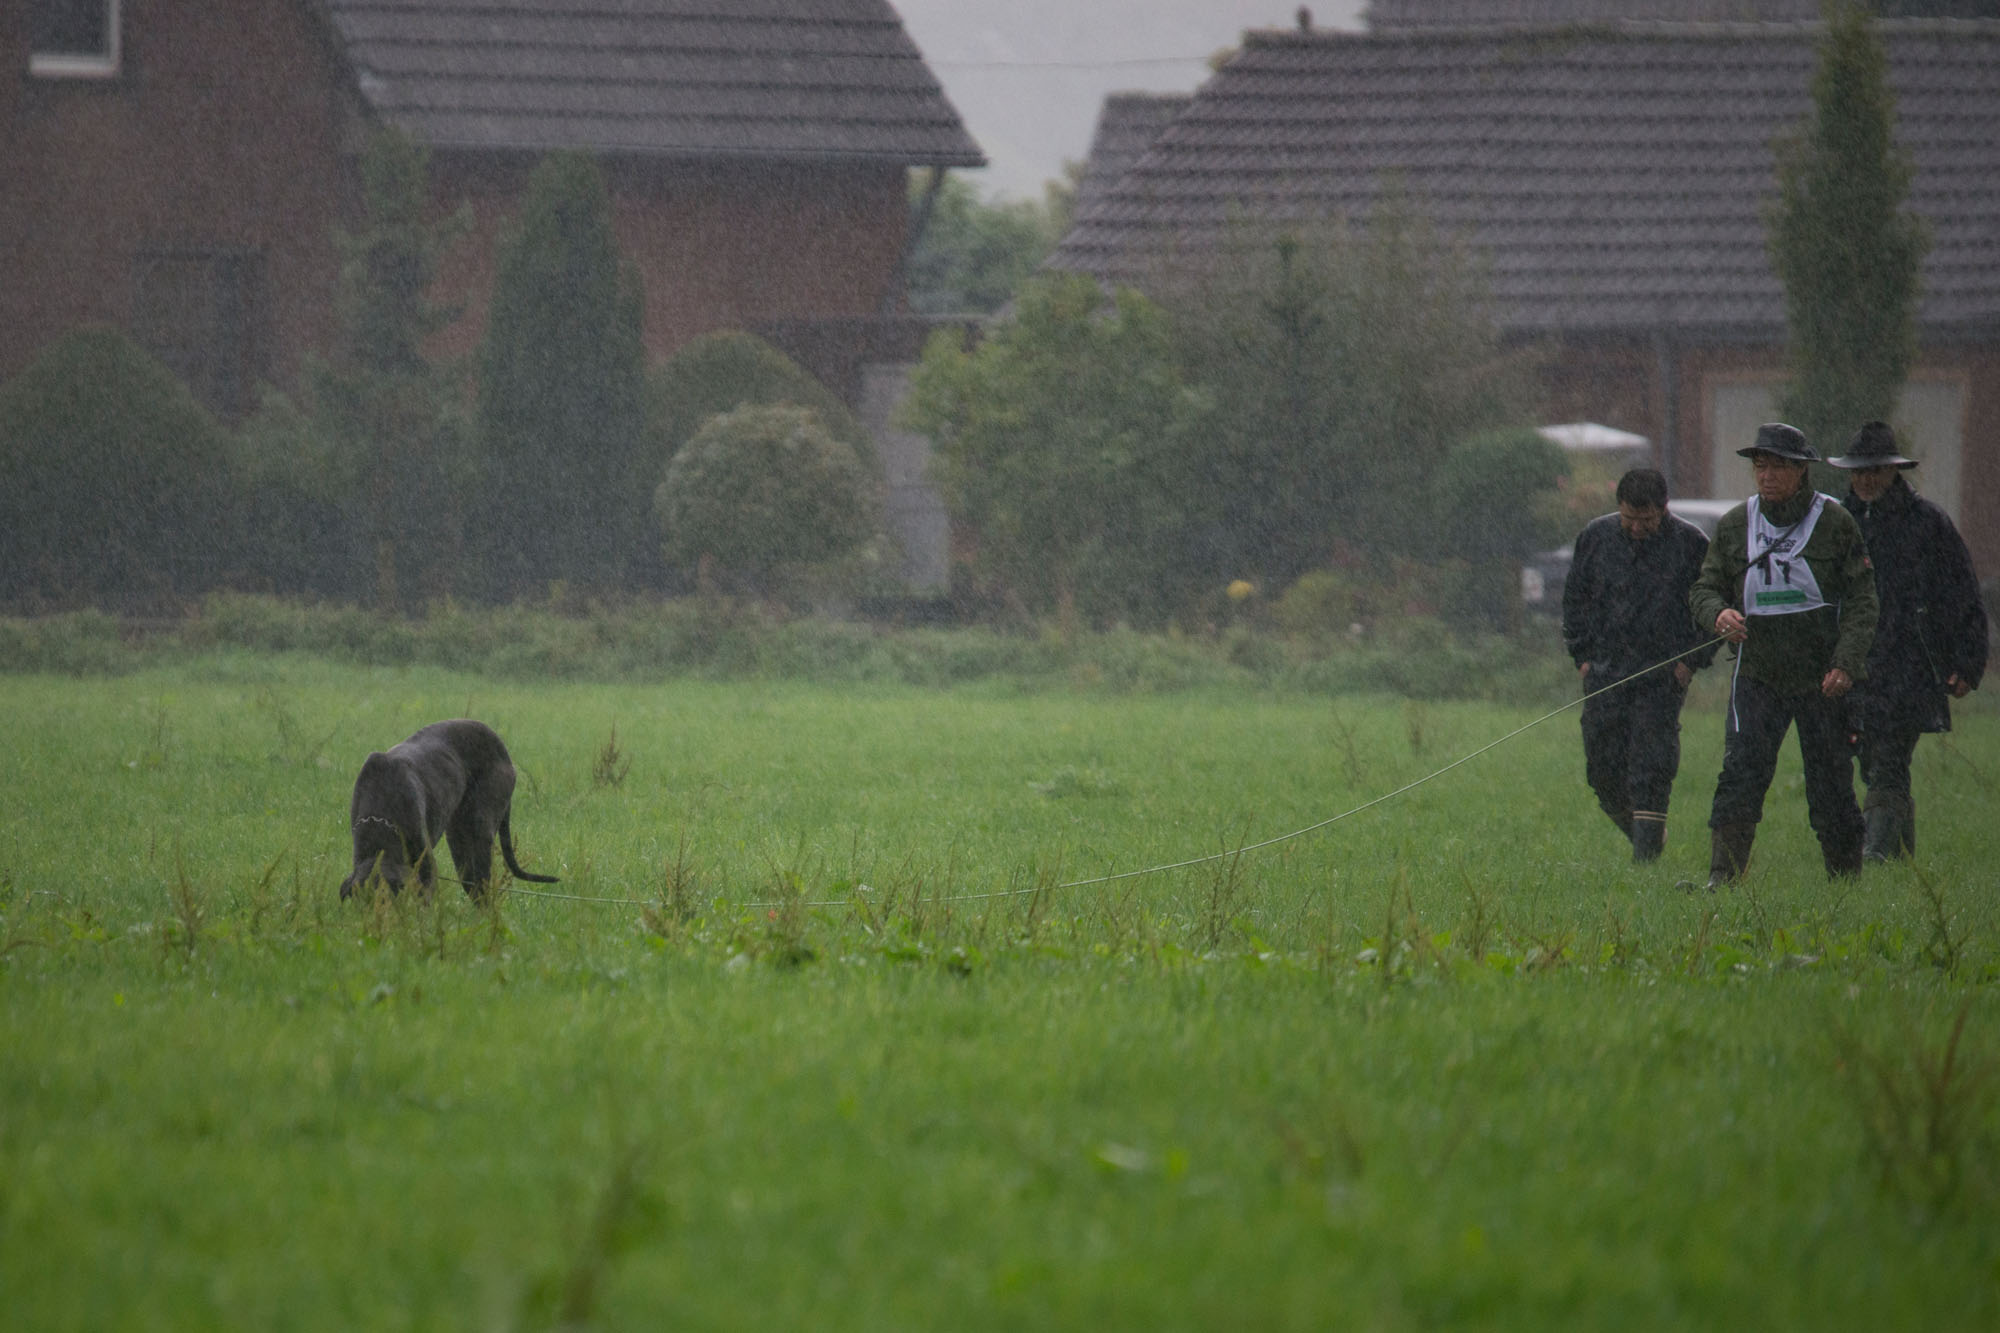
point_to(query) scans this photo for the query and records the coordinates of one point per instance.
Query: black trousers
(1632, 742)
(1758, 718)
(1886, 752)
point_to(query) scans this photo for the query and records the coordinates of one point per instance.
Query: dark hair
(1643, 488)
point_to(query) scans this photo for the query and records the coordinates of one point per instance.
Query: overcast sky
(1029, 75)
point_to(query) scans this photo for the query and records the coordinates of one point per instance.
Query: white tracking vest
(1779, 582)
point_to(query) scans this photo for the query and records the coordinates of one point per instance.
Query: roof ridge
(1606, 27)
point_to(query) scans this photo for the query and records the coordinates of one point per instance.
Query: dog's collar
(374, 819)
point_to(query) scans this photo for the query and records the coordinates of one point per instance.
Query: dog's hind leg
(471, 852)
(472, 827)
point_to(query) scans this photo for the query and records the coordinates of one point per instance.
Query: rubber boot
(1729, 852)
(1649, 835)
(1891, 829)
(1842, 858)
(1883, 835)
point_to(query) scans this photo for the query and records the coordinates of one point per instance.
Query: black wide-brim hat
(1874, 445)
(1781, 441)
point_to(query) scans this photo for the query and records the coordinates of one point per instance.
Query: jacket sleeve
(1859, 606)
(1578, 629)
(1955, 608)
(1720, 582)
(1697, 557)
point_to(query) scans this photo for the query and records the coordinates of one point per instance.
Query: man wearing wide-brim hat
(1930, 644)
(1787, 581)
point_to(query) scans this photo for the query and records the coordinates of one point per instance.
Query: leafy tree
(561, 392)
(974, 255)
(1057, 445)
(1496, 504)
(1846, 250)
(1343, 366)
(766, 492)
(114, 489)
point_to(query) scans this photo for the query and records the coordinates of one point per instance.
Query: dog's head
(379, 854)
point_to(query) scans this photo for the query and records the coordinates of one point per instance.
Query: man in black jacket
(1930, 644)
(1624, 610)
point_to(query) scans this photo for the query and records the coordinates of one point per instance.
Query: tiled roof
(1384, 15)
(1127, 125)
(683, 78)
(1613, 175)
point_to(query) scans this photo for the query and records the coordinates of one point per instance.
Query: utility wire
(1197, 860)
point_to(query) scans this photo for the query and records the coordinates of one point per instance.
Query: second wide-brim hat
(1874, 445)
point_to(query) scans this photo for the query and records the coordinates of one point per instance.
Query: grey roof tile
(1613, 175)
(1127, 125)
(767, 78)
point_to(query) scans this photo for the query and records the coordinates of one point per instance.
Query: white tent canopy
(1587, 437)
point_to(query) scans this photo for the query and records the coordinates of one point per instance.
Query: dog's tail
(507, 850)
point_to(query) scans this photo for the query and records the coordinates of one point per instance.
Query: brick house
(176, 167)
(1612, 175)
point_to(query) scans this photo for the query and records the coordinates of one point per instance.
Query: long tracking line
(1195, 860)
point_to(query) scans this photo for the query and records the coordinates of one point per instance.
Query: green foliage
(1343, 367)
(361, 484)
(1497, 502)
(1060, 443)
(1497, 494)
(561, 393)
(388, 267)
(766, 491)
(720, 372)
(1399, 649)
(114, 483)
(1847, 251)
(399, 425)
(973, 255)
(301, 480)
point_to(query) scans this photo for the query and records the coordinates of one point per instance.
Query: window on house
(201, 314)
(73, 38)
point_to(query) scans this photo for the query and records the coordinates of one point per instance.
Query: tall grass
(842, 1041)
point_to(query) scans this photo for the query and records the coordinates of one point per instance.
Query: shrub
(766, 492)
(1326, 601)
(113, 481)
(1497, 502)
(721, 372)
(289, 474)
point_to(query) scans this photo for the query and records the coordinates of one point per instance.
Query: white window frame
(80, 64)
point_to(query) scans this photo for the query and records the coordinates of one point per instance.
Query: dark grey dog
(451, 780)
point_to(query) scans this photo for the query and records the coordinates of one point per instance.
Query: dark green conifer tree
(395, 421)
(562, 395)
(1843, 244)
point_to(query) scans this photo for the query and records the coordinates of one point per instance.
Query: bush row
(719, 639)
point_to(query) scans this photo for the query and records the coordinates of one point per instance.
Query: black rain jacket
(1625, 601)
(1933, 624)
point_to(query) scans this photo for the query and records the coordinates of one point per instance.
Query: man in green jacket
(1787, 580)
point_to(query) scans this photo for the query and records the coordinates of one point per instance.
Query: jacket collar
(1897, 498)
(1787, 512)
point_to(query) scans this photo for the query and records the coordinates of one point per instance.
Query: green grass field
(852, 1049)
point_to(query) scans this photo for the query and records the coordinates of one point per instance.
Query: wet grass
(853, 1049)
